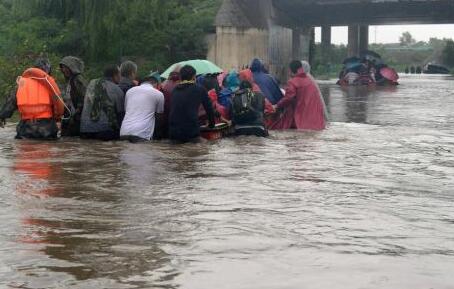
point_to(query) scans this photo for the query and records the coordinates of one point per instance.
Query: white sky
(391, 33)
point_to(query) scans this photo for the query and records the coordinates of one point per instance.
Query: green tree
(154, 33)
(448, 54)
(407, 39)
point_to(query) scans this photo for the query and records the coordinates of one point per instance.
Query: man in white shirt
(143, 104)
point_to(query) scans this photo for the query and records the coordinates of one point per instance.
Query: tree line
(154, 33)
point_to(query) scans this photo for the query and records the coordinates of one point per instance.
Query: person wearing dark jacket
(76, 86)
(248, 110)
(187, 97)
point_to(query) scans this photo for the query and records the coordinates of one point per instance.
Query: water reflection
(354, 103)
(36, 168)
(83, 235)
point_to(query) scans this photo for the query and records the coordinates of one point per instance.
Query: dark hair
(111, 70)
(127, 68)
(245, 85)
(295, 65)
(43, 64)
(187, 73)
(211, 82)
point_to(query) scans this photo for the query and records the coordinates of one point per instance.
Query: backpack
(242, 102)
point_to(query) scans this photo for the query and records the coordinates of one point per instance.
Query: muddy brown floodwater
(368, 203)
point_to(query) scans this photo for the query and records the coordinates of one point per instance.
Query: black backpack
(243, 102)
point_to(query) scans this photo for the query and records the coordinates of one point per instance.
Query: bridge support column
(326, 43)
(353, 40)
(296, 44)
(363, 38)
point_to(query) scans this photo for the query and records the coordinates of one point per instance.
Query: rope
(55, 92)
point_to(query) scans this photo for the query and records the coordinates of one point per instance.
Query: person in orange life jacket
(39, 102)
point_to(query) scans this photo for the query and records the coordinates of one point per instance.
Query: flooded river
(368, 203)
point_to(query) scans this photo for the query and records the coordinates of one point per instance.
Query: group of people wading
(118, 107)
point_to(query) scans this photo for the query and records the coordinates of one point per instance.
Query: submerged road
(369, 203)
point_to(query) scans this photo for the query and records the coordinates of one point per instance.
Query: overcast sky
(391, 33)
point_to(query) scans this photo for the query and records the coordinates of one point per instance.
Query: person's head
(112, 72)
(128, 70)
(66, 71)
(306, 66)
(257, 65)
(211, 82)
(295, 66)
(232, 80)
(71, 66)
(174, 76)
(246, 75)
(188, 73)
(43, 64)
(154, 78)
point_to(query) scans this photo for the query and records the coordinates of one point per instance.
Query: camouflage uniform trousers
(44, 129)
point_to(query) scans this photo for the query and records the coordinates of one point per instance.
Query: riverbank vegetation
(153, 33)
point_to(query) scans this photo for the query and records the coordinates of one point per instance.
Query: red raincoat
(302, 106)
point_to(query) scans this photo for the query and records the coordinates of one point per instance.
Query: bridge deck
(251, 13)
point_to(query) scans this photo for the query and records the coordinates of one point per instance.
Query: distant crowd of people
(118, 107)
(367, 70)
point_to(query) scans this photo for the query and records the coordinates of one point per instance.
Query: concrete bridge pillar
(353, 40)
(363, 38)
(246, 29)
(326, 42)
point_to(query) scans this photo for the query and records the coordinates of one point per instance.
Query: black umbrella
(353, 59)
(370, 55)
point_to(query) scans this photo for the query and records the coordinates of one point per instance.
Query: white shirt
(141, 105)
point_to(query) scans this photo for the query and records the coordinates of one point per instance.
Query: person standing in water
(187, 97)
(103, 108)
(303, 100)
(39, 102)
(167, 88)
(267, 83)
(248, 109)
(76, 86)
(307, 70)
(144, 105)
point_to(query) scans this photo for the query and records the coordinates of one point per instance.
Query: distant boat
(436, 69)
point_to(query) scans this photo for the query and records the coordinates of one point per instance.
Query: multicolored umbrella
(201, 66)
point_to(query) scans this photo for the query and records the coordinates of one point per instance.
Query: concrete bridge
(280, 30)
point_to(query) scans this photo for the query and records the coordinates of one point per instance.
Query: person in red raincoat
(301, 107)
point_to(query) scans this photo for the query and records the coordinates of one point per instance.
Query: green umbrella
(201, 67)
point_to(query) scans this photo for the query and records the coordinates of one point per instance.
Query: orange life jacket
(36, 96)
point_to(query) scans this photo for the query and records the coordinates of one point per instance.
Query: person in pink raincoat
(301, 107)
